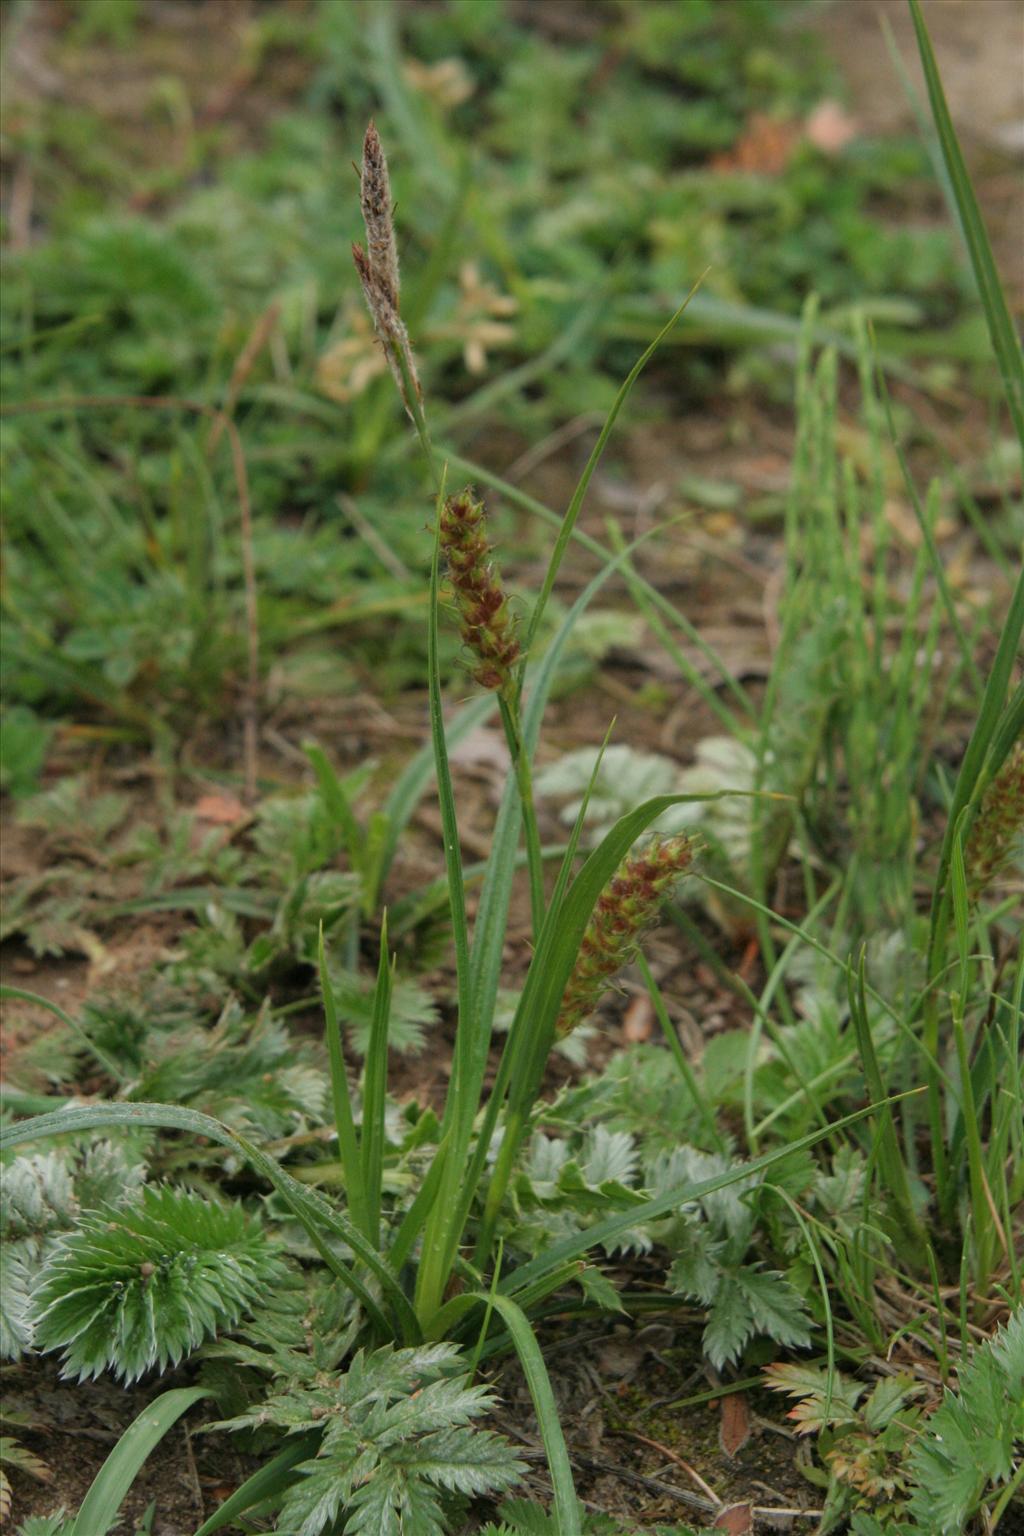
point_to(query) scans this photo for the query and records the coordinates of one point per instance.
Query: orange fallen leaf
(734, 1424)
(829, 128)
(223, 810)
(736, 1518)
(763, 148)
(638, 1020)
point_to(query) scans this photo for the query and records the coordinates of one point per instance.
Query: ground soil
(636, 1452)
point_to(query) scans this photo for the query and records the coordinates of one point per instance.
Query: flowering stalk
(998, 824)
(626, 906)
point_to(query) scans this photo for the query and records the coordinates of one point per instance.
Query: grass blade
(65, 1018)
(348, 1145)
(574, 1247)
(336, 801)
(567, 1510)
(375, 1078)
(270, 1480)
(573, 509)
(110, 1486)
(906, 1230)
(1000, 326)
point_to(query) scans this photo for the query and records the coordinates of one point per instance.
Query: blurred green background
(179, 203)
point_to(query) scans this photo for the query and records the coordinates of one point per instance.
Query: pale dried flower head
(350, 364)
(481, 317)
(447, 82)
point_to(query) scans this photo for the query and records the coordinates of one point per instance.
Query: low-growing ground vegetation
(512, 926)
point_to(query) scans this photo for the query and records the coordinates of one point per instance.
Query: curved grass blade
(1005, 343)
(76, 1029)
(315, 1215)
(375, 1079)
(907, 1233)
(264, 1485)
(567, 1510)
(110, 1486)
(575, 1246)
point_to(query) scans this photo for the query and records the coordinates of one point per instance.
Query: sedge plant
(415, 1250)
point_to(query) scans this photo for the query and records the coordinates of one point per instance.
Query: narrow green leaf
(567, 1511)
(265, 1484)
(907, 1232)
(317, 1217)
(375, 1078)
(332, 792)
(575, 1246)
(100, 1506)
(348, 1146)
(76, 1029)
(1005, 342)
(576, 502)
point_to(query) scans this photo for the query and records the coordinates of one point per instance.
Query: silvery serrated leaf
(625, 778)
(36, 1195)
(609, 1156)
(16, 1280)
(545, 1158)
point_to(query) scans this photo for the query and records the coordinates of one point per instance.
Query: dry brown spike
(378, 216)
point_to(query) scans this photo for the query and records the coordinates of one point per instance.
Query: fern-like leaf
(972, 1440)
(141, 1285)
(399, 1445)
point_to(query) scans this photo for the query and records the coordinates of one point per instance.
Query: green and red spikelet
(997, 829)
(486, 624)
(626, 906)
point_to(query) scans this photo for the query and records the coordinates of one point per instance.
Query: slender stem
(414, 405)
(674, 1044)
(1000, 1506)
(524, 778)
(499, 1181)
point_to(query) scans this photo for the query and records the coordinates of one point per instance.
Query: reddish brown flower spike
(486, 624)
(628, 903)
(998, 825)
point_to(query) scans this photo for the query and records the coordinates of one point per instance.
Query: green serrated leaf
(730, 1323)
(142, 1285)
(776, 1307)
